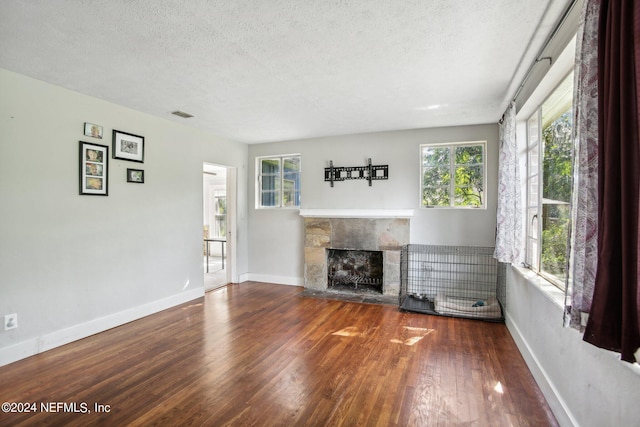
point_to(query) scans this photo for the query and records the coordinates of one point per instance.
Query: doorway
(218, 196)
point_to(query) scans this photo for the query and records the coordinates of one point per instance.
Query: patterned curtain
(583, 256)
(508, 231)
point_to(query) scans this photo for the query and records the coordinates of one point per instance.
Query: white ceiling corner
(259, 71)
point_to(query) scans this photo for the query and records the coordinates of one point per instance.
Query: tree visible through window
(279, 182)
(549, 139)
(453, 175)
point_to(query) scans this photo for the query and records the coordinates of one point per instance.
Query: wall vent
(181, 114)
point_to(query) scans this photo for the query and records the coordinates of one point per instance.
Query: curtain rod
(539, 57)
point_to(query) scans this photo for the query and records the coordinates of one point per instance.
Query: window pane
(533, 129)
(435, 176)
(532, 225)
(469, 182)
(221, 205)
(279, 181)
(533, 160)
(270, 183)
(221, 226)
(435, 156)
(557, 162)
(555, 228)
(533, 191)
(291, 181)
(469, 155)
(448, 184)
(533, 252)
(435, 196)
(288, 194)
(467, 196)
(556, 180)
(271, 166)
(291, 164)
(270, 199)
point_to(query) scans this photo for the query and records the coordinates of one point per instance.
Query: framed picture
(94, 169)
(135, 175)
(127, 146)
(93, 130)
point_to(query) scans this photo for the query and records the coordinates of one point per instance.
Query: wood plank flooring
(257, 354)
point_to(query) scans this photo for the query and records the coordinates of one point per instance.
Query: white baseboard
(280, 280)
(556, 403)
(55, 339)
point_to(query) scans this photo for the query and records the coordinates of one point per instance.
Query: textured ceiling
(270, 70)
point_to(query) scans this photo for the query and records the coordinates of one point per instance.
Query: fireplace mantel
(356, 213)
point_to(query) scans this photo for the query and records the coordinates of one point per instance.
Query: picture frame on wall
(127, 146)
(94, 169)
(135, 175)
(92, 130)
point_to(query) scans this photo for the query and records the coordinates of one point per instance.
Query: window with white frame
(453, 175)
(220, 205)
(278, 181)
(549, 180)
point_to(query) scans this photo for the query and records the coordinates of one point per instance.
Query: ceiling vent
(181, 114)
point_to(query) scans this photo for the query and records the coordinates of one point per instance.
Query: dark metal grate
(355, 270)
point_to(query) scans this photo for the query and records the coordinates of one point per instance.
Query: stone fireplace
(356, 233)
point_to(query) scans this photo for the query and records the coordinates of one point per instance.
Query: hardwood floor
(263, 355)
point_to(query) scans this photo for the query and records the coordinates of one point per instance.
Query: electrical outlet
(10, 321)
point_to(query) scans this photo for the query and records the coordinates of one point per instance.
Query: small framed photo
(127, 146)
(93, 130)
(94, 169)
(135, 175)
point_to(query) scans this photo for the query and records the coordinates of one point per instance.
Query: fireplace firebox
(355, 270)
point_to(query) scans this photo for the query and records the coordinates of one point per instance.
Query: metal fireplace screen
(460, 281)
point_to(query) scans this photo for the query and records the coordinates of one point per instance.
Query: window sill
(278, 208)
(458, 208)
(552, 292)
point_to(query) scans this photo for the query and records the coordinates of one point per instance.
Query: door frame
(231, 252)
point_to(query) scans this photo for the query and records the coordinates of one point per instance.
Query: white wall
(276, 247)
(72, 265)
(584, 385)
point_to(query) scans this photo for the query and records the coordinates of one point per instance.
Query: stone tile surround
(388, 235)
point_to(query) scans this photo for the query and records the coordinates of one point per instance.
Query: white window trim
(556, 74)
(452, 169)
(537, 269)
(258, 181)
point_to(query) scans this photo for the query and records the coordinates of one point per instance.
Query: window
(220, 206)
(549, 179)
(278, 181)
(453, 175)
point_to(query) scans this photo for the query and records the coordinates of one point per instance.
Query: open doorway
(218, 210)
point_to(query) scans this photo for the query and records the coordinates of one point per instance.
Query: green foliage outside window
(557, 180)
(453, 176)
